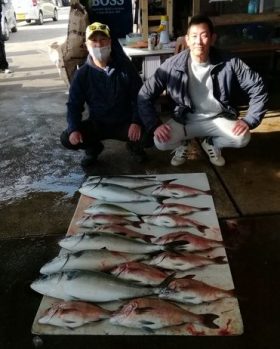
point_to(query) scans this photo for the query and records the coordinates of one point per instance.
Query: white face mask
(101, 54)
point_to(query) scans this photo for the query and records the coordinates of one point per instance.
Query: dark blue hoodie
(110, 94)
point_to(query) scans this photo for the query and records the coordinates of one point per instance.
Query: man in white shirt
(202, 81)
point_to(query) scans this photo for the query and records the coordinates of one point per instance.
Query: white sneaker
(180, 156)
(5, 71)
(214, 153)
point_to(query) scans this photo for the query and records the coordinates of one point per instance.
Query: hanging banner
(117, 14)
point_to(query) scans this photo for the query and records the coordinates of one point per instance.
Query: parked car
(8, 19)
(38, 10)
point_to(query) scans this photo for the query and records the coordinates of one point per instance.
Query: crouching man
(108, 85)
(202, 81)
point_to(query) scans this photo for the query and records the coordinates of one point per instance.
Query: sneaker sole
(177, 163)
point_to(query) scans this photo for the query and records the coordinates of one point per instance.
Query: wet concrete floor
(39, 193)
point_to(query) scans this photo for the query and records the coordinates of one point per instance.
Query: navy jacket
(228, 74)
(110, 95)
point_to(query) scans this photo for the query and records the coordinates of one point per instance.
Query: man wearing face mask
(108, 85)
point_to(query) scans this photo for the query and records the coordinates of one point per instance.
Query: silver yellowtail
(89, 286)
(119, 230)
(131, 182)
(108, 209)
(90, 221)
(114, 193)
(111, 242)
(100, 260)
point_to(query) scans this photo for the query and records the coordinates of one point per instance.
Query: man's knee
(163, 146)
(243, 140)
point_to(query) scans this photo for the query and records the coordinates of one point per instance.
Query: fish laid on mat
(108, 209)
(188, 290)
(114, 193)
(73, 314)
(111, 242)
(120, 230)
(181, 209)
(174, 190)
(127, 181)
(175, 261)
(173, 221)
(100, 260)
(89, 286)
(92, 220)
(153, 314)
(140, 273)
(193, 242)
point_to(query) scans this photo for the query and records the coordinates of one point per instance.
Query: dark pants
(3, 61)
(94, 132)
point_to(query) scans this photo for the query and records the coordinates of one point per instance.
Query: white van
(38, 10)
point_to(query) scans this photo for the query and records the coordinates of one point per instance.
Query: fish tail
(207, 192)
(148, 238)
(231, 293)
(220, 260)
(208, 320)
(137, 224)
(205, 209)
(202, 228)
(160, 199)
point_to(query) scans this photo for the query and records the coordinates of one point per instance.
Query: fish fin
(148, 329)
(220, 260)
(143, 311)
(66, 260)
(174, 245)
(207, 192)
(160, 199)
(190, 276)
(208, 320)
(167, 280)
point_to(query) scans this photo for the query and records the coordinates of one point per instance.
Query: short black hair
(199, 19)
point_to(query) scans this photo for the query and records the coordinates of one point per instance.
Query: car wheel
(55, 15)
(5, 31)
(28, 21)
(40, 20)
(14, 28)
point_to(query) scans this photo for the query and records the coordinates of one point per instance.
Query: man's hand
(134, 132)
(162, 133)
(240, 128)
(75, 138)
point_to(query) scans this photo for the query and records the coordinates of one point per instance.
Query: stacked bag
(72, 53)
